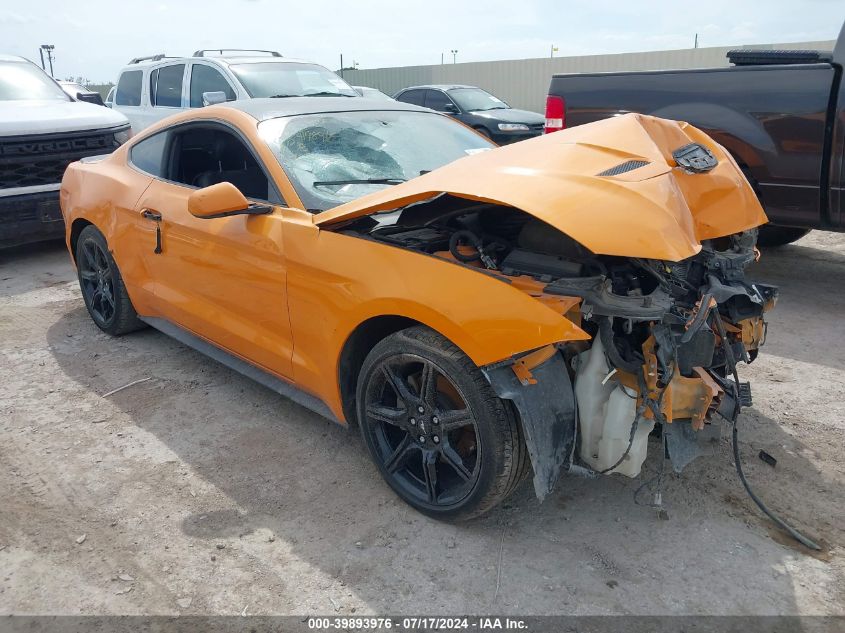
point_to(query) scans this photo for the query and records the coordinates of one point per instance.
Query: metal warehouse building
(523, 82)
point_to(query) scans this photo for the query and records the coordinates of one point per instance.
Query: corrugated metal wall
(523, 82)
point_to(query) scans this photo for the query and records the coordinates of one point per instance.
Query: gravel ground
(199, 492)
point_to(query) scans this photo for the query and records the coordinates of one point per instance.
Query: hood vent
(622, 168)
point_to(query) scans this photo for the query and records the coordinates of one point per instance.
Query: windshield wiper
(282, 96)
(326, 93)
(360, 181)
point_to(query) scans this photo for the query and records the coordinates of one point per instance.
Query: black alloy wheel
(102, 285)
(425, 436)
(96, 279)
(441, 439)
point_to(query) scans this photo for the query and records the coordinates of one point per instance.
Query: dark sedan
(477, 108)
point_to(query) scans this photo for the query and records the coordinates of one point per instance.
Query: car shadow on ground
(589, 548)
(49, 257)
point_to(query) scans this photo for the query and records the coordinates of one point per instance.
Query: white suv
(152, 88)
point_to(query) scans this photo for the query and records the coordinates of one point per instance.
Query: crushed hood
(654, 210)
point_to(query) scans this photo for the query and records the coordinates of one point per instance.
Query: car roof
(263, 109)
(73, 83)
(226, 60)
(13, 58)
(249, 59)
(440, 86)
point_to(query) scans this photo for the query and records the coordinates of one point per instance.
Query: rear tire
(772, 236)
(439, 435)
(102, 286)
(769, 235)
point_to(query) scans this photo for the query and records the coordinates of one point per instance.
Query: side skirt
(241, 366)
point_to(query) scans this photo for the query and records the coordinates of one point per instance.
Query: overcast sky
(94, 38)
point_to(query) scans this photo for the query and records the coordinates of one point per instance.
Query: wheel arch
(358, 344)
(79, 225)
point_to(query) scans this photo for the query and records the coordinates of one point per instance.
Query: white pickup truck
(42, 130)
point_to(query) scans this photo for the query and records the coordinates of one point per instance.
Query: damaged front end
(638, 231)
(672, 369)
(657, 357)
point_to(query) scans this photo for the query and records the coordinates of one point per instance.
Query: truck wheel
(779, 235)
(770, 235)
(102, 286)
(441, 438)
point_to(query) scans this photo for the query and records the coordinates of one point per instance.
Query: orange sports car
(478, 312)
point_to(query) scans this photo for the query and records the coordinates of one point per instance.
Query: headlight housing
(122, 135)
(513, 127)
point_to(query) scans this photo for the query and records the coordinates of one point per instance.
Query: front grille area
(30, 218)
(537, 127)
(41, 160)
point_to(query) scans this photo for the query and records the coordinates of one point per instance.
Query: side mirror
(222, 200)
(89, 97)
(213, 98)
(450, 108)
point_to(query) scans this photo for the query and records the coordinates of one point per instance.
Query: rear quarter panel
(104, 194)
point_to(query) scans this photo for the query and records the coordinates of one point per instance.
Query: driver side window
(437, 100)
(204, 156)
(207, 79)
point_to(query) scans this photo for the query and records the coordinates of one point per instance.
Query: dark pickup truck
(780, 113)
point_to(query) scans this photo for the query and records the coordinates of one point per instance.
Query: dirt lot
(199, 491)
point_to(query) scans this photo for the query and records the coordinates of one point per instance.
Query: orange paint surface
(284, 293)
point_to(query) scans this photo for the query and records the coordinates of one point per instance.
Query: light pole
(454, 52)
(49, 48)
(554, 50)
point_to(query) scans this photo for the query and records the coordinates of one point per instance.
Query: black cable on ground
(780, 522)
(729, 357)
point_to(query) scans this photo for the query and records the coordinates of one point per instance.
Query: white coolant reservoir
(605, 415)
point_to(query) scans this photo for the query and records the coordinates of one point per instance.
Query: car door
(206, 78)
(222, 279)
(439, 101)
(165, 90)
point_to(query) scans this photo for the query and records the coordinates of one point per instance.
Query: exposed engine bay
(665, 335)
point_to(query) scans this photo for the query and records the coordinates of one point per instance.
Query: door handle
(149, 214)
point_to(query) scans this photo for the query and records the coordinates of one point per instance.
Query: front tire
(441, 438)
(102, 286)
